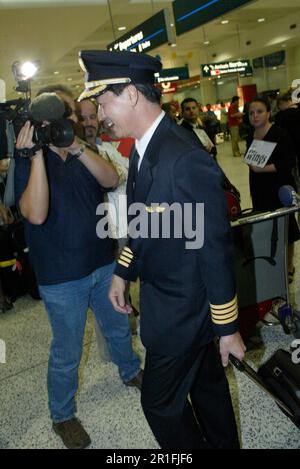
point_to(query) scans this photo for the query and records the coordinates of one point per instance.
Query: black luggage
(279, 377)
(16, 273)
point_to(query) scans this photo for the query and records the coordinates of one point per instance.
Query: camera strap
(29, 152)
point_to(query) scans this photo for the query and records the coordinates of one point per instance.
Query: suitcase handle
(236, 362)
(252, 374)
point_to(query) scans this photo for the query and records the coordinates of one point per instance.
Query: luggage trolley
(260, 242)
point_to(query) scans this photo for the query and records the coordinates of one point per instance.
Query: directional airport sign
(190, 14)
(146, 36)
(223, 68)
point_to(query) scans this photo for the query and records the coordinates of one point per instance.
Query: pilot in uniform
(187, 294)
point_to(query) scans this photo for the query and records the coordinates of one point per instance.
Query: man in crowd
(58, 191)
(187, 293)
(191, 121)
(234, 122)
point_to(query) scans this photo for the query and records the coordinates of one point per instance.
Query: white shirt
(141, 145)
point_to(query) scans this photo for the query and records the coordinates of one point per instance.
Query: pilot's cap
(105, 68)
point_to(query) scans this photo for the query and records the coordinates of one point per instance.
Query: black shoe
(72, 434)
(136, 381)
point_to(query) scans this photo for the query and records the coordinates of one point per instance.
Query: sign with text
(173, 74)
(167, 87)
(258, 62)
(259, 153)
(190, 14)
(222, 68)
(2, 352)
(275, 59)
(145, 37)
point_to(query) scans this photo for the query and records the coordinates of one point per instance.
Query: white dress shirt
(141, 145)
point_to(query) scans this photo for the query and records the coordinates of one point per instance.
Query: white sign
(204, 138)
(135, 40)
(2, 351)
(259, 153)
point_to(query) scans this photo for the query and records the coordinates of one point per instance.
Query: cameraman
(58, 190)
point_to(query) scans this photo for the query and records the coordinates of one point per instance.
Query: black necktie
(135, 166)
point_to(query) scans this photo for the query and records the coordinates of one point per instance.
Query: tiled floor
(110, 411)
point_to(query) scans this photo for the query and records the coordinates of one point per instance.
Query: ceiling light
(69, 79)
(28, 69)
(174, 45)
(56, 72)
(225, 22)
(261, 20)
(206, 42)
(121, 28)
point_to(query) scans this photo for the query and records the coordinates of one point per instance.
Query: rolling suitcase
(279, 377)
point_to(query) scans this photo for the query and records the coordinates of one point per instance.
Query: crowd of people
(187, 296)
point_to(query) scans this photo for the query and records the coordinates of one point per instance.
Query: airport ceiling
(53, 31)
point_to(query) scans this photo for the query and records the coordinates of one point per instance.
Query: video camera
(48, 107)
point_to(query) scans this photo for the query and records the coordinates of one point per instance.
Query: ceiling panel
(39, 30)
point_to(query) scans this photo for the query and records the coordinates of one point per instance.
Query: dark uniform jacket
(187, 295)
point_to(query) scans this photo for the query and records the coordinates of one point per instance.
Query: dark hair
(234, 99)
(167, 106)
(262, 100)
(56, 89)
(151, 92)
(273, 94)
(186, 101)
(284, 97)
(90, 100)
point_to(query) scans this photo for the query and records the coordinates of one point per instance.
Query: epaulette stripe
(126, 256)
(224, 312)
(123, 263)
(226, 321)
(125, 259)
(225, 305)
(225, 316)
(128, 250)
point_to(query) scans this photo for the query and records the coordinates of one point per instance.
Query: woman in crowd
(265, 182)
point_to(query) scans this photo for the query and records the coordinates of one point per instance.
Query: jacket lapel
(148, 167)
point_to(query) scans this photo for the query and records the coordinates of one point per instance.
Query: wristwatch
(79, 152)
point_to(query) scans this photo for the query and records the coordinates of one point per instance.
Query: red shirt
(124, 145)
(233, 121)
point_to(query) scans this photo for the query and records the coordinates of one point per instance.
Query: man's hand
(231, 344)
(25, 136)
(5, 215)
(117, 295)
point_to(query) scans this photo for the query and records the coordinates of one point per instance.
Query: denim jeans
(66, 305)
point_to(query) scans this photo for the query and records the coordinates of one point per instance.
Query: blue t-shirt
(66, 246)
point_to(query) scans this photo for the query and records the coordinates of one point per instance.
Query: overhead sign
(258, 62)
(222, 68)
(145, 37)
(190, 14)
(167, 87)
(275, 59)
(271, 60)
(172, 74)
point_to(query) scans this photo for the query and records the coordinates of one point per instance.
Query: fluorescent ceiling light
(225, 22)
(121, 28)
(206, 42)
(28, 69)
(56, 72)
(261, 20)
